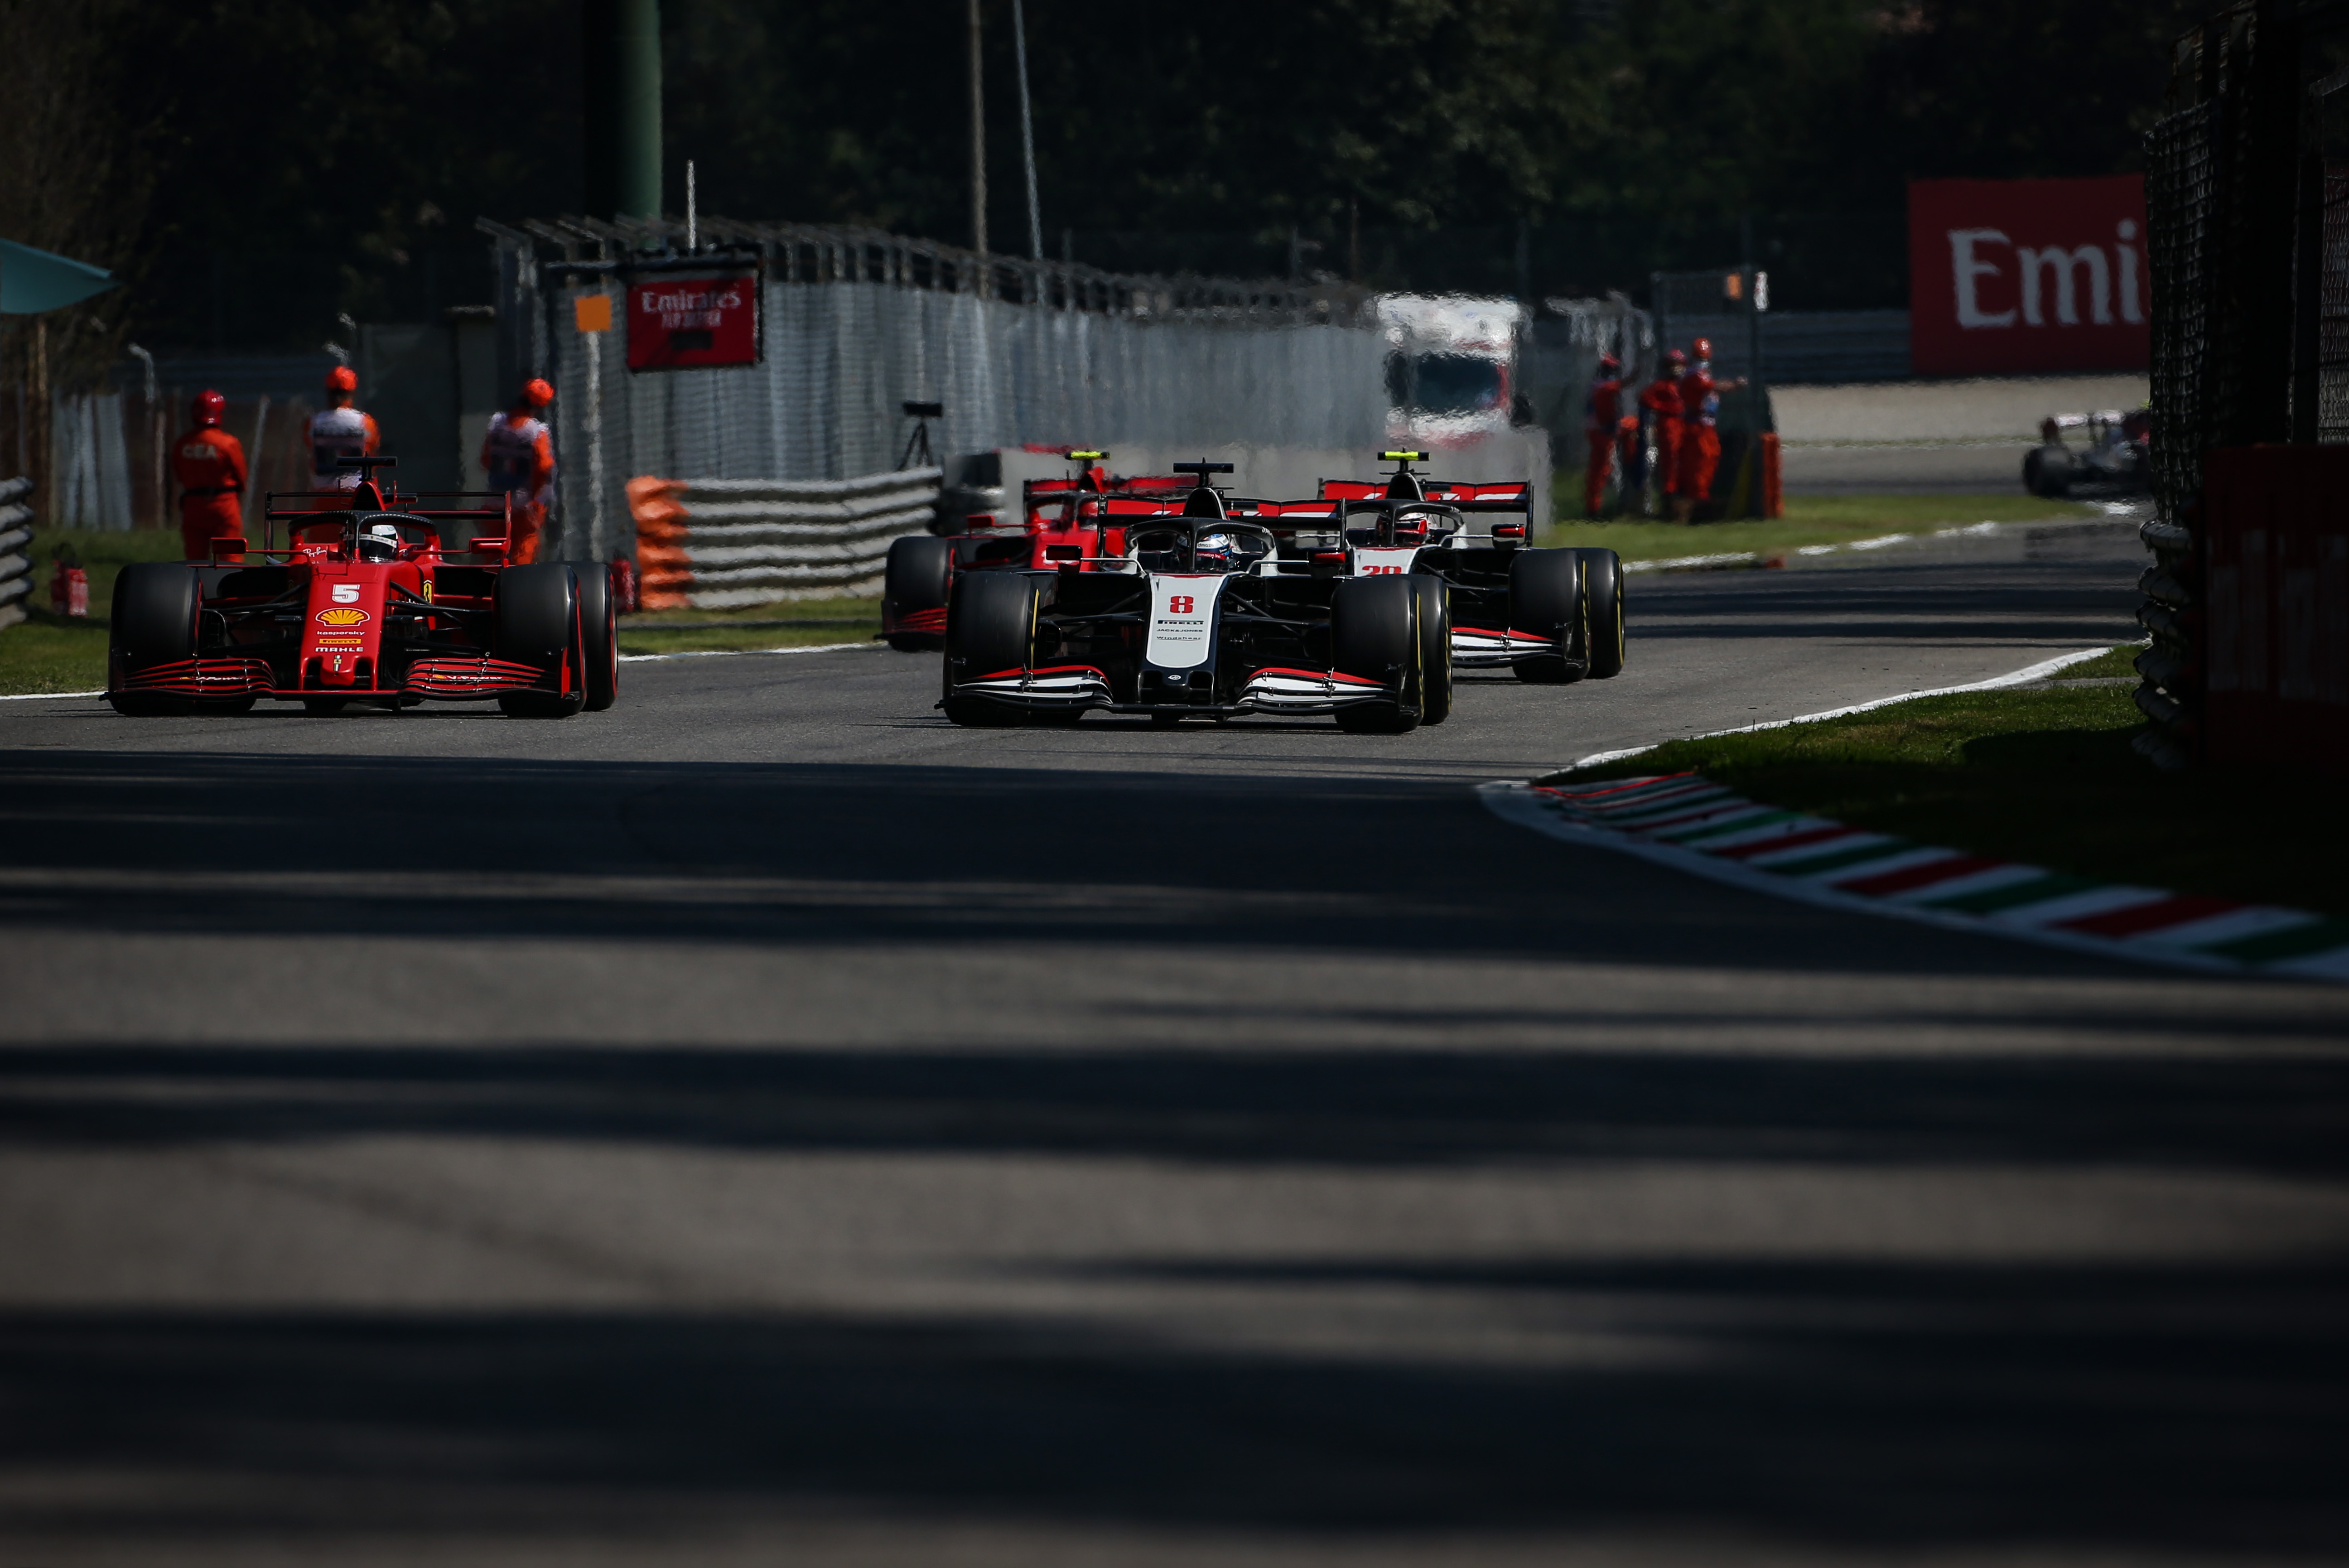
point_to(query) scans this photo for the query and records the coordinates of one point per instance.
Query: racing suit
(1699, 433)
(1661, 400)
(338, 433)
(209, 464)
(519, 454)
(1599, 420)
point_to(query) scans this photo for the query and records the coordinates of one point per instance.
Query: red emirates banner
(2015, 277)
(686, 323)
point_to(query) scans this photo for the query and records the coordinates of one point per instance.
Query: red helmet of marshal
(209, 407)
(342, 378)
(1703, 347)
(1674, 358)
(536, 393)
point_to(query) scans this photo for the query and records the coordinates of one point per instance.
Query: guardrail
(720, 543)
(16, 565)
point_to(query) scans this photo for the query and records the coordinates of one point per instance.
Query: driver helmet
(1217, 550)
(381, 541)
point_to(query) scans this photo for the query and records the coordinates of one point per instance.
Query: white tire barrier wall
(16, 565)
(720, 543)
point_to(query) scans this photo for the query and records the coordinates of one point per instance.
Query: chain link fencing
(854, 325)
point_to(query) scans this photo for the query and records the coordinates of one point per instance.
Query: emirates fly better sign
(2012, 276)
(686, 323)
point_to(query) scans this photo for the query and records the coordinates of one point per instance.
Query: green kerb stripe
(1829, 862)
(2014, 894)
(1672, 809)
(2292, 942)
(1716, 829)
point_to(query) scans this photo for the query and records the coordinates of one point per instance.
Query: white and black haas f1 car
(1546, 616)
(364, 606)
(1205, 615)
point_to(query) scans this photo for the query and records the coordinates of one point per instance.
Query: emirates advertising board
(2022, 277)
(689, 323)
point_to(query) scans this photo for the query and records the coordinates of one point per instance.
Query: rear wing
(1442, 490)
(498, 516)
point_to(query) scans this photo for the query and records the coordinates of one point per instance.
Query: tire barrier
(15, 534)
(720, 543)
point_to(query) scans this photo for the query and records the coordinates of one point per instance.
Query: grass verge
(803, 623)
(2045, 777)
(49, 652)
(1809, 520)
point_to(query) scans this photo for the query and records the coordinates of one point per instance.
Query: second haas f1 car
(1340, 605)
(364, 606)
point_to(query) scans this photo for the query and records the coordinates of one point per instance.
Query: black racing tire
(1434, 615)
(1374, 632)
(990, 627)
(538, 624)
(1603, 609)
(153, 619)
(538, 612)
(599, 628)
(2049, 470)
(1546, 596)
(920, 576)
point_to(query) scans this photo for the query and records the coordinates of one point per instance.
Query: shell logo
(341, 616)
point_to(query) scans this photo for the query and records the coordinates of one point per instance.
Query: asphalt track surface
(765, 1124)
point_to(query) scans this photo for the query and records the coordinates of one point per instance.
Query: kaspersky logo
(342, 616)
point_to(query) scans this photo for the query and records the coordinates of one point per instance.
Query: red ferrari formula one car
(1078, 519)
(364, 604)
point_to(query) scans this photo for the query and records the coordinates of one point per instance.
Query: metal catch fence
(855, 324)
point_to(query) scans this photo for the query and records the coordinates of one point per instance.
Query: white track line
(45, 696)
(739, 652)
(2038, 672)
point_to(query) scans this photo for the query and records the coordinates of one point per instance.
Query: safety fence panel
(15, 534)
(841, 357)
(721, 544)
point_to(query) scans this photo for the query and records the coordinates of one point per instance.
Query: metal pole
(252, 461)
(978, 145)
(155, 434)
(621, 48)
(1027, 128)
(692, 211)
(592, 345)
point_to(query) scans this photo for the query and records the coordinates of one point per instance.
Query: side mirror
(228, 544)
(486, 546)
